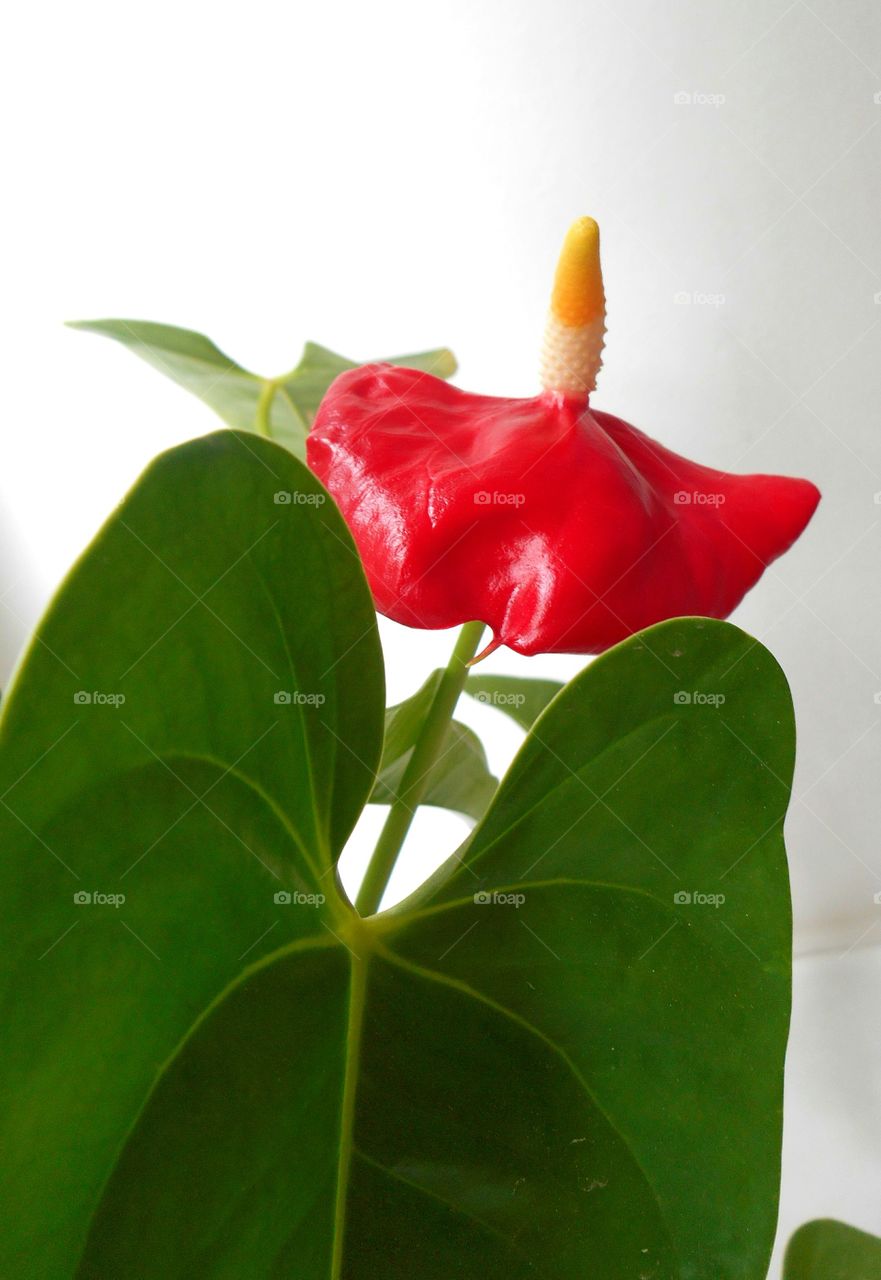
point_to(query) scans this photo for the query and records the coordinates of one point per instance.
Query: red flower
(563, 528)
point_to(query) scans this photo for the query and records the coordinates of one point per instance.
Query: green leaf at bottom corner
(828, 1250)
(625, 903)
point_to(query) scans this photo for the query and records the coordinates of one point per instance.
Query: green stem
(413, 783)
(261, 418)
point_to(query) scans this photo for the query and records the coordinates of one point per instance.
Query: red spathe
(563, 528)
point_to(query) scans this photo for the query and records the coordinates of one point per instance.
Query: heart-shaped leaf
(562, 1057)
(638, 839)
(280, 408)
(458, 779)
(830, 1250)
(196, 729)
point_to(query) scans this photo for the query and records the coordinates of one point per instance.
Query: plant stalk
(415, 779)
(264, 404)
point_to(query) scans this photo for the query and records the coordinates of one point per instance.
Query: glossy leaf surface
(240, 636)
(545, 1063)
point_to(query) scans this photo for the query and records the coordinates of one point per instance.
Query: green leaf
(829, 1250)
(459, 779)
(521, 697)
(280, 408)
(541, 1065)
(205, 605)
(639, 783)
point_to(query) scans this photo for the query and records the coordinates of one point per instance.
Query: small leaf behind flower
(520, 697)
(280, 408)
(460, 777)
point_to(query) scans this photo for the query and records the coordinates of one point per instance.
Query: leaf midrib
(358, 981)
(137, 344)
(354, 1027)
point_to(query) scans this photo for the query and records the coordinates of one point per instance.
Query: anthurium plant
(562, 1056)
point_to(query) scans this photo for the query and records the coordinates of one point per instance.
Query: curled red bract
(563, 528)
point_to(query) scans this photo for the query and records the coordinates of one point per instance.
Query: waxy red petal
(563, 528)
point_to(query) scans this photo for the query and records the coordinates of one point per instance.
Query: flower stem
(415, 779)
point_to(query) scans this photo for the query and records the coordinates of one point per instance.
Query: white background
(393, 176)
